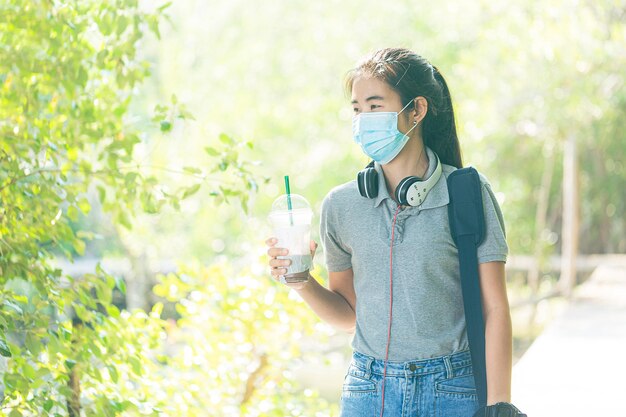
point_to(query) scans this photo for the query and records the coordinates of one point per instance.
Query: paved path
(577, 366)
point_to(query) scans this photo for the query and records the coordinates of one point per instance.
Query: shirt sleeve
(494, 246)
(336, 255)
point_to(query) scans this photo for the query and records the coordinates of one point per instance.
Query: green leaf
(252, 185)
(84, 206)
(165, 6)
(191, 191)
(69, 363)
(85, 234)
(166, 126)
(157, 308)
(79, 246)
(135, 363)
(113, 372)
(113, 311)
(33, 343)
(15, 413)
(102, 194)
(13, 306)
(120, 284)
(211, 151)
(4, 349)
(82, 313)
(227, 140)
(103, 292)
(122, 218)
(66, 333)
(28, 371)
(72, 213)
(10, 380)
(47, 405)
(192, 170)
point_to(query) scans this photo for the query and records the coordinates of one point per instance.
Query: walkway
(577, 366)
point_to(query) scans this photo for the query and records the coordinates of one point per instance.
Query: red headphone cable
(393, 229)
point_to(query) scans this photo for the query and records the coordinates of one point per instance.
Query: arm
(498, 332)
(335, 305)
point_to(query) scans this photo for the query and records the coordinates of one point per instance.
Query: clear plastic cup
(292, 228)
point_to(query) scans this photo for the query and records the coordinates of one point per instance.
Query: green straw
(288, 198)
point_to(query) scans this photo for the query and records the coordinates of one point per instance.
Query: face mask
(378, 135)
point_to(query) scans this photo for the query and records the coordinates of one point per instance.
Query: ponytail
(439, 130)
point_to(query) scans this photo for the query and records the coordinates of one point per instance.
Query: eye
(374, 106)
(356, 111)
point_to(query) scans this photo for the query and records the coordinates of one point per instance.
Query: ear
(420, 108)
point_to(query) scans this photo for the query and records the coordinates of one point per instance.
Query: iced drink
(292, 228)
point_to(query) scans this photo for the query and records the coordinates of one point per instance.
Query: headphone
(411, 191)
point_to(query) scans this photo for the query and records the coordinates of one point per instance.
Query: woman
(393, 266)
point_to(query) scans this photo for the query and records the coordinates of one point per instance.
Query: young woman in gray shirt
(392, 263)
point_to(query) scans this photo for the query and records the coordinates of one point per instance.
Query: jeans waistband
(369, 365)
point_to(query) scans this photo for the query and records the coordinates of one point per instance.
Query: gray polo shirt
(428, 317)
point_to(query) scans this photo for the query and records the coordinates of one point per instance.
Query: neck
(411, 161)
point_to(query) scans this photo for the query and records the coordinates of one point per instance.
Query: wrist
(304, 286)
(496, 400)
(499, 409)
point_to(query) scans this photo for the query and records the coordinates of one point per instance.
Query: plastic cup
(292, 228)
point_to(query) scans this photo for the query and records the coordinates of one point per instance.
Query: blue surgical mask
(378, 135)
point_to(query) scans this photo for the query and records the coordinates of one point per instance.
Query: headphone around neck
(411, 191)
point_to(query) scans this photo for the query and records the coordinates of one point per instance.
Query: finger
(274, 252)
(276, 263)
(271, 241)
(278, 272)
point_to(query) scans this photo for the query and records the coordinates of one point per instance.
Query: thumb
(313, 246)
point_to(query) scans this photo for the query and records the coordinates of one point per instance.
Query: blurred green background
(524, 77)
(200, 322)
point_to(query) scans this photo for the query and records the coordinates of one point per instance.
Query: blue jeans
(437, 387)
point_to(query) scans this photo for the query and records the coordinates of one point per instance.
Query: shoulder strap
(467, 226)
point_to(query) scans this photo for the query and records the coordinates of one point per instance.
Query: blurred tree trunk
(138, 280)
(569, 234)
(605, 221)
(540, 222)
(73, 400)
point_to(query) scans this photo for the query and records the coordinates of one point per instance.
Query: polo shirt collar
(437, 196)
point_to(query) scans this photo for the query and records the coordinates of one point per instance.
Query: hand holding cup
(279, 262)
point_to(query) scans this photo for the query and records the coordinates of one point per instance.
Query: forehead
(364, 87)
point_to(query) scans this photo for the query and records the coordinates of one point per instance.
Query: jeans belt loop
(448, 364)
(368, 367)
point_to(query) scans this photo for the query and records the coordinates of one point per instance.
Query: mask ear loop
(407, 105)
(414, 122)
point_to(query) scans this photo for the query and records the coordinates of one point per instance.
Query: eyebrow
(370, 99)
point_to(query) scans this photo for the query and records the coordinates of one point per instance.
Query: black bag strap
(467, 226)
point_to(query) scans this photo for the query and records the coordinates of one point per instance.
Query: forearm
(498, 353)
(328, 305)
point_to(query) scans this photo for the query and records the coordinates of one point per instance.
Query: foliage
(538, 76)
(68, 73)
(238, 335)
